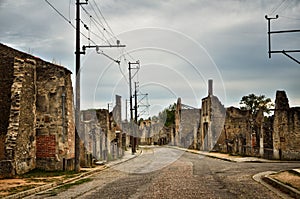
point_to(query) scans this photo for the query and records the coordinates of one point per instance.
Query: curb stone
(282, 187)
(233, 159)
(59, 183)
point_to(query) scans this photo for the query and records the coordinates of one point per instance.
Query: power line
(105, 20)
(292, 18)
(67, 20)
(276, 7)
(57, 11)
(97, 24)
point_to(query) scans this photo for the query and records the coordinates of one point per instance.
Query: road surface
(162, 172)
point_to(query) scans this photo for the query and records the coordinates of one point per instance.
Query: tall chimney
(210, 87)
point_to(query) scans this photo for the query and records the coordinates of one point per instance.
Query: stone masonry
(36, 121)
(286, 129)
(235, 131)
(186, 125)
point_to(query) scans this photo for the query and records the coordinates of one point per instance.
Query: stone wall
(55, 118)
(6, 81)
(101, 135)
(211, 123)
(37, 121)
(286, 129)
(19, 146)
(187, 121)
(236, 128)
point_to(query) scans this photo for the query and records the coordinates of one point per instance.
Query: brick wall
(46, 146)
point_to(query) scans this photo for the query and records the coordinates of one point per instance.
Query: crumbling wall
(46, 132)
(190, 119)
(55, 118)
(286, 129)
(236, 128)
(211, 122)
(6, 81)
(19, 146)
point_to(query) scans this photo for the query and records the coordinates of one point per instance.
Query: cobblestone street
(170, 173)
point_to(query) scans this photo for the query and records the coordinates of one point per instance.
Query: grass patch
(39, 173)
(18, 189)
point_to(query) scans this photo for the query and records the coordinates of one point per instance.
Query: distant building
(235, 131)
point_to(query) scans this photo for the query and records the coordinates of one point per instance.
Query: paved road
(171, 173)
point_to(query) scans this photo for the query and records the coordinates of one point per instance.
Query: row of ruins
(37, 128)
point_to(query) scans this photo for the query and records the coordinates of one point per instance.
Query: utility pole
(77, 84)
(132, 138)
(126, 110)
(285, 52)
(77, 92)
(136, 116)
(135, 103)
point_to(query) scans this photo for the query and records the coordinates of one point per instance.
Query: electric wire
(292, 18)
(105, 20)
(97, 24)
(69, 21)
(276, 7)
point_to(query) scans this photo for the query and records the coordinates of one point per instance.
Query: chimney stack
(210, 87)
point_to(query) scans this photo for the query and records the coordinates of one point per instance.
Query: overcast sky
(179, 44)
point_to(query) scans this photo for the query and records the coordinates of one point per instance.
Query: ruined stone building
(101, 134)
(229, 130)
(235, 131)
(211, 121)
(37, 118)
(145, 128)
(286, 129)
(187, 120)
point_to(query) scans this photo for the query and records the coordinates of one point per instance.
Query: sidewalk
(286, 181)
(231, 158)
(87, 172)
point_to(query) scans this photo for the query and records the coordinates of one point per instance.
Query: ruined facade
(211, 122)
(101, 134)
(240, 132)
(186, 126)
(36, 121)
(286, 129)
(229, 130)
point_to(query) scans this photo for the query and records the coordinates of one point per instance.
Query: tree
(167, 115)
(255, 103)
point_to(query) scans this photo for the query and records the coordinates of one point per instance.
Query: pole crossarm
(284, 31)
(285, 52)
(84, 47)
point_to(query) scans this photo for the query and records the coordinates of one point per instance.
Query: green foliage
(255, 103)
(167, 115)
(42, 173)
